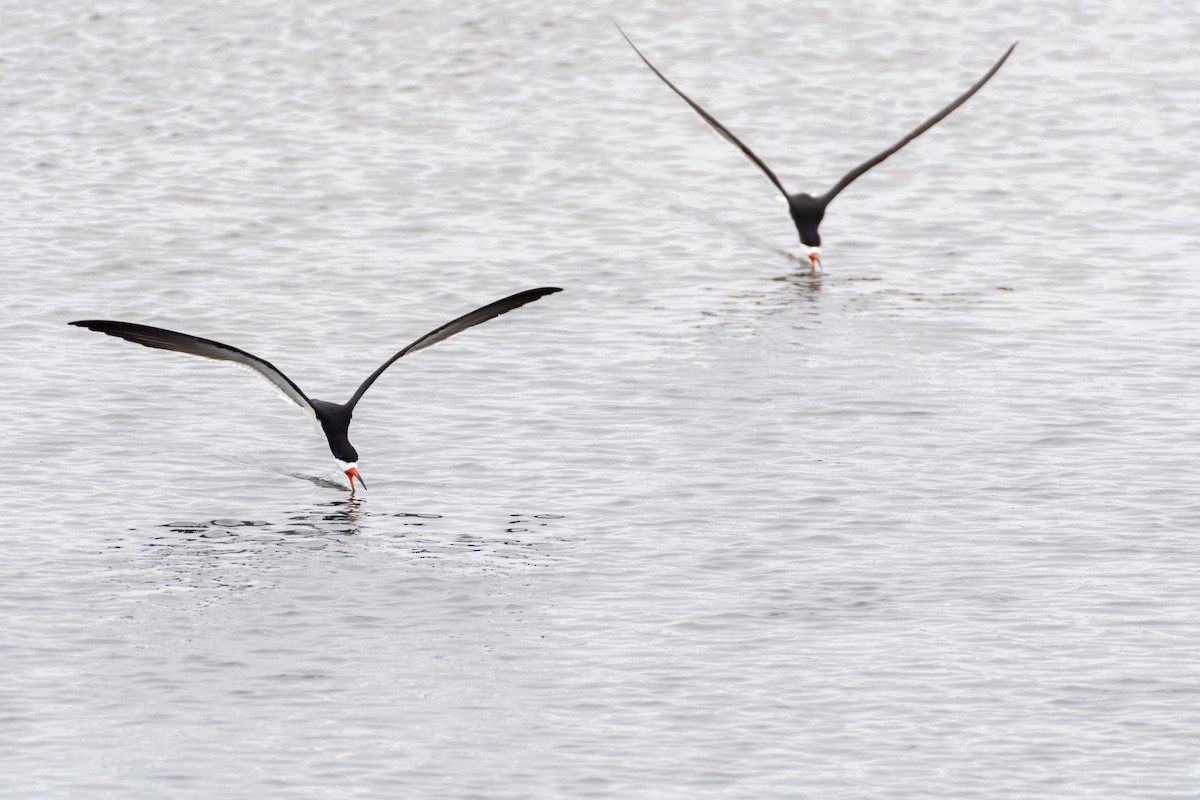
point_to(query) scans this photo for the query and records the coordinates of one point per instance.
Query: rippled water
(701, 525)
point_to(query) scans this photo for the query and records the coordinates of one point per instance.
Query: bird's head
(350, 470)
(352, 473)
(814, 258)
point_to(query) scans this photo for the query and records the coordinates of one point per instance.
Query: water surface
(701, 525)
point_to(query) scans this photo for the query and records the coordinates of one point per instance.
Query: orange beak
(815, 260)
(352, 473)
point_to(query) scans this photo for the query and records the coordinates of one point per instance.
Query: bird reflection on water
(247, 553)
(342, 517)
(237, 553)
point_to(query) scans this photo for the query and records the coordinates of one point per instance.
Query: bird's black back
(335, 422)
(807, 212)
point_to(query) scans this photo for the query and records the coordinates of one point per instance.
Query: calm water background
(703, 524)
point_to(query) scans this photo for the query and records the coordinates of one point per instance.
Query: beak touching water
(352, 473)
(814, 259)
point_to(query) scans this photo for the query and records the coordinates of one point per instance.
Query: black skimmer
(807, 211)
(332, 418)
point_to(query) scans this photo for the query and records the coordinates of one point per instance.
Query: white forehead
(345, 465)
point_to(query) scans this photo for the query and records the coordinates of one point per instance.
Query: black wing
(924, 126)
(455, 326)
(205, 348)
(710, 119)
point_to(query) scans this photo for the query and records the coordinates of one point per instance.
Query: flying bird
(333, 419)
(807, 211)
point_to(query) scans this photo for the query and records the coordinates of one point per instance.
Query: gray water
(703, 525)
